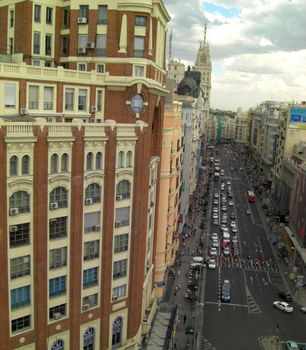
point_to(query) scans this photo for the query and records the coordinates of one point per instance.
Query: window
(120, 161)
(99, 100)
(101, 45)
(139, 42)
(119, 292)
(49, 15)
(48, 44)
(100, 68)
(64, 163)
(128, 162)
(11, 46)
(90, 301)
(9, 95)
(69, 99)
(89, 339)
(20, 297)
(11, 18)
(65, 45)
(37, 13)
(56, 313)
(93, 191)
(25, 165)
(82, 67)
(36, 43)
(20, 266)
(84, 11)
(59, 196)
(36, 63)
(57, 286)
(21, 323)
(123, 190)
(33, 97)
(116, 332)
(89, 161)
(140, 21)
(90, 277)
(58, 227)
(92, 222)
(121, 243)
(119, 269)
(48, 98)
(58, 345)
(66, 17)
(13, 166)
(57, 258)
(91, 250)
(20, 200)
(122, 217)
(99, 161)
(54, 163)
(139, 71)
(82, 99)
(102, 14)
(19, 235)
(83, 40)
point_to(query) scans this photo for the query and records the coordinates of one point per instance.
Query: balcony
(148, 316)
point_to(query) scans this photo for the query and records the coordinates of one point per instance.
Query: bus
(216, 176)
(251, 196)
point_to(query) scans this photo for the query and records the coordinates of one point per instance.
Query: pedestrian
(178, 273)
(185, 318)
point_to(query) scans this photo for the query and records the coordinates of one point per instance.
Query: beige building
(176, 71)
(242, 128)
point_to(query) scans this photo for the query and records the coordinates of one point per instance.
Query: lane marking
(228, 304)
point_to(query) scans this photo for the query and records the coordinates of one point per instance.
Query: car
(212, 264)
(215, 210)
(303, 309)
(216, 195)
(228, 182)
(224, 208)
(215, 216)
(215, 222)
(230, 195)
(234, 229)
(286, 296)
(224, 244)
(229, 188)
(282, 305)
(216, 201)
(226, 291)
(233, 223)
(231, 203)
(215, 243)
(214, 235)
(225, 230)
(224, 221)
(222, 188)
(222, 227)
(213, 251)
(291, 345)
(226, 251)
(240, 169)
(248, 211)
(232, 216)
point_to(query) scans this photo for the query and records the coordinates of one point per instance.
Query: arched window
(89, 161)
(13, 166)
(116, 333)
(89, 339)
(93, 191)
(64, 163)
(54, 163)
(128, 162)
(59, 198)
(58, 345)
(20, 200)
(99, 161)
(25, 165)
(120, 162)
(123, 190)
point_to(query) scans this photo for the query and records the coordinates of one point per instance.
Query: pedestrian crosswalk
(253, 306)
(248, 265)
(206, 345)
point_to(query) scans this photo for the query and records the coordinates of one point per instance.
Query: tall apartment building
(77, 230)
(242, 128)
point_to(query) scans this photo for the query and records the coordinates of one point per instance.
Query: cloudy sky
(258, 47)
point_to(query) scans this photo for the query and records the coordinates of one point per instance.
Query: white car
(222, 227)
(216, 195)
(216, 201)
(224, 208)
(225, 230)
(213, 251)
(212, 264)
(215, 216)
(234, 229)
(231, 203)
(233, 223)
(228, 183)
(281, 305)
(215, 210)
(226, 251)
(215, 243)
(214, 235)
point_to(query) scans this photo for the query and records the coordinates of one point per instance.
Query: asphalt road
(254, 278)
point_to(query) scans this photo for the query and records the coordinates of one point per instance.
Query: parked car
(282, 305)
(291, 345)
(303, 309)
(286, 296)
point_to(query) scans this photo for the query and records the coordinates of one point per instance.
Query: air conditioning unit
(57, 315)
(13, 228)
(119, 197)
(53, 205)
(97, 227)
(117, 223)
(86, 307)
(94, 109)
(114, 298)
(91, 45)
(82, 20)
(24, 111)
(51, 119)
(14, 211)
(82, 50)
(88, 201)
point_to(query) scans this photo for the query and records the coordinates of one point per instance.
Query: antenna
(170, 48)
(205, 29)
